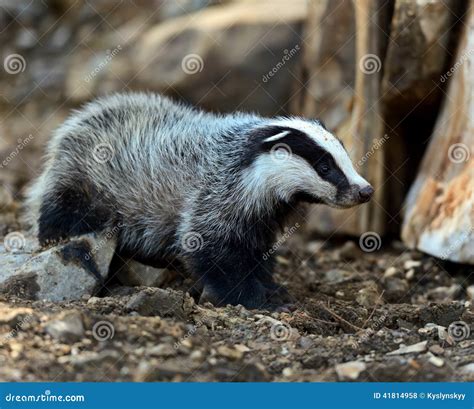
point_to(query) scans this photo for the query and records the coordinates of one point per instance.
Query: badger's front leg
(232, 274)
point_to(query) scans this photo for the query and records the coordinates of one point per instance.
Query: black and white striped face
(300, 159)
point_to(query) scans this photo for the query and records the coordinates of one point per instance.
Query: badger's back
(137, 160)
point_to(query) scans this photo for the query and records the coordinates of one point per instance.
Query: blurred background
(392, 78)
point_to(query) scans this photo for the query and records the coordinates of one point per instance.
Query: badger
(207, 191)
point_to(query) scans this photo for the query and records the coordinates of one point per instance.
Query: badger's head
(298, 159)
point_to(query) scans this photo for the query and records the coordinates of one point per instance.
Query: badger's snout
(365, 193)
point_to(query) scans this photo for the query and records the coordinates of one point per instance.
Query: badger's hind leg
(71, 209)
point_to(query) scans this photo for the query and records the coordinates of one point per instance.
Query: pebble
(410, 274)
(349, 251)
(436, 349)
(409, 264)
(337, 275)
(230, 353)
(163, 350)
(418, 347)
(350, 370)
(436, 361)
(69, 328)
(470, 292)
(391, 272)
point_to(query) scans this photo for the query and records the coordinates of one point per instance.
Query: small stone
(396, 289)
(415, 348)
(349, 251)
(67, 328)
(337, 275)
(287, 372)
(444, 293)
(305, 342)
(156, 301)
(470, 292)
(436, 361)
(350, 370)
(197, 355)
(436, 349)
(315, 246)
(230, 353)
(409, 264)
(391, 272)
(162, 350)
(410, 274)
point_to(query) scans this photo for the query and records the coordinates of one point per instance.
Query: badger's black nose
(366, 193)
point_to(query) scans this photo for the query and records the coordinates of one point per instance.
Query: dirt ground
(356, 312)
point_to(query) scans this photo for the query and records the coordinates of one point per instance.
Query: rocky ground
(387, 315)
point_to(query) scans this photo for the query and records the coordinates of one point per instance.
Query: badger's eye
(324, 169)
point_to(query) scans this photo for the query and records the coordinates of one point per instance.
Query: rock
(133, 273)
(14, 317)
(444, 293)
(410, 349)
(162, 350)
(229, 352)
(434, 360)
(391, 272)
(337, 275)
(350, 370)
(369, 296)
(396, 289)
(90, 358)
(436, 349)
(67, 328)
(409, 264)
(156, 301)
(64, 272)
(191, 55)
(349, 251)
(470, 292)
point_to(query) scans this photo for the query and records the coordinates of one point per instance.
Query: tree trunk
(440, 205)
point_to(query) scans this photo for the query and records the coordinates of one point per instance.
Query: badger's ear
(276, 136)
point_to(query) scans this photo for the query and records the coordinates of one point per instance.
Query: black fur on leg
(71, 211)
(234, 274)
